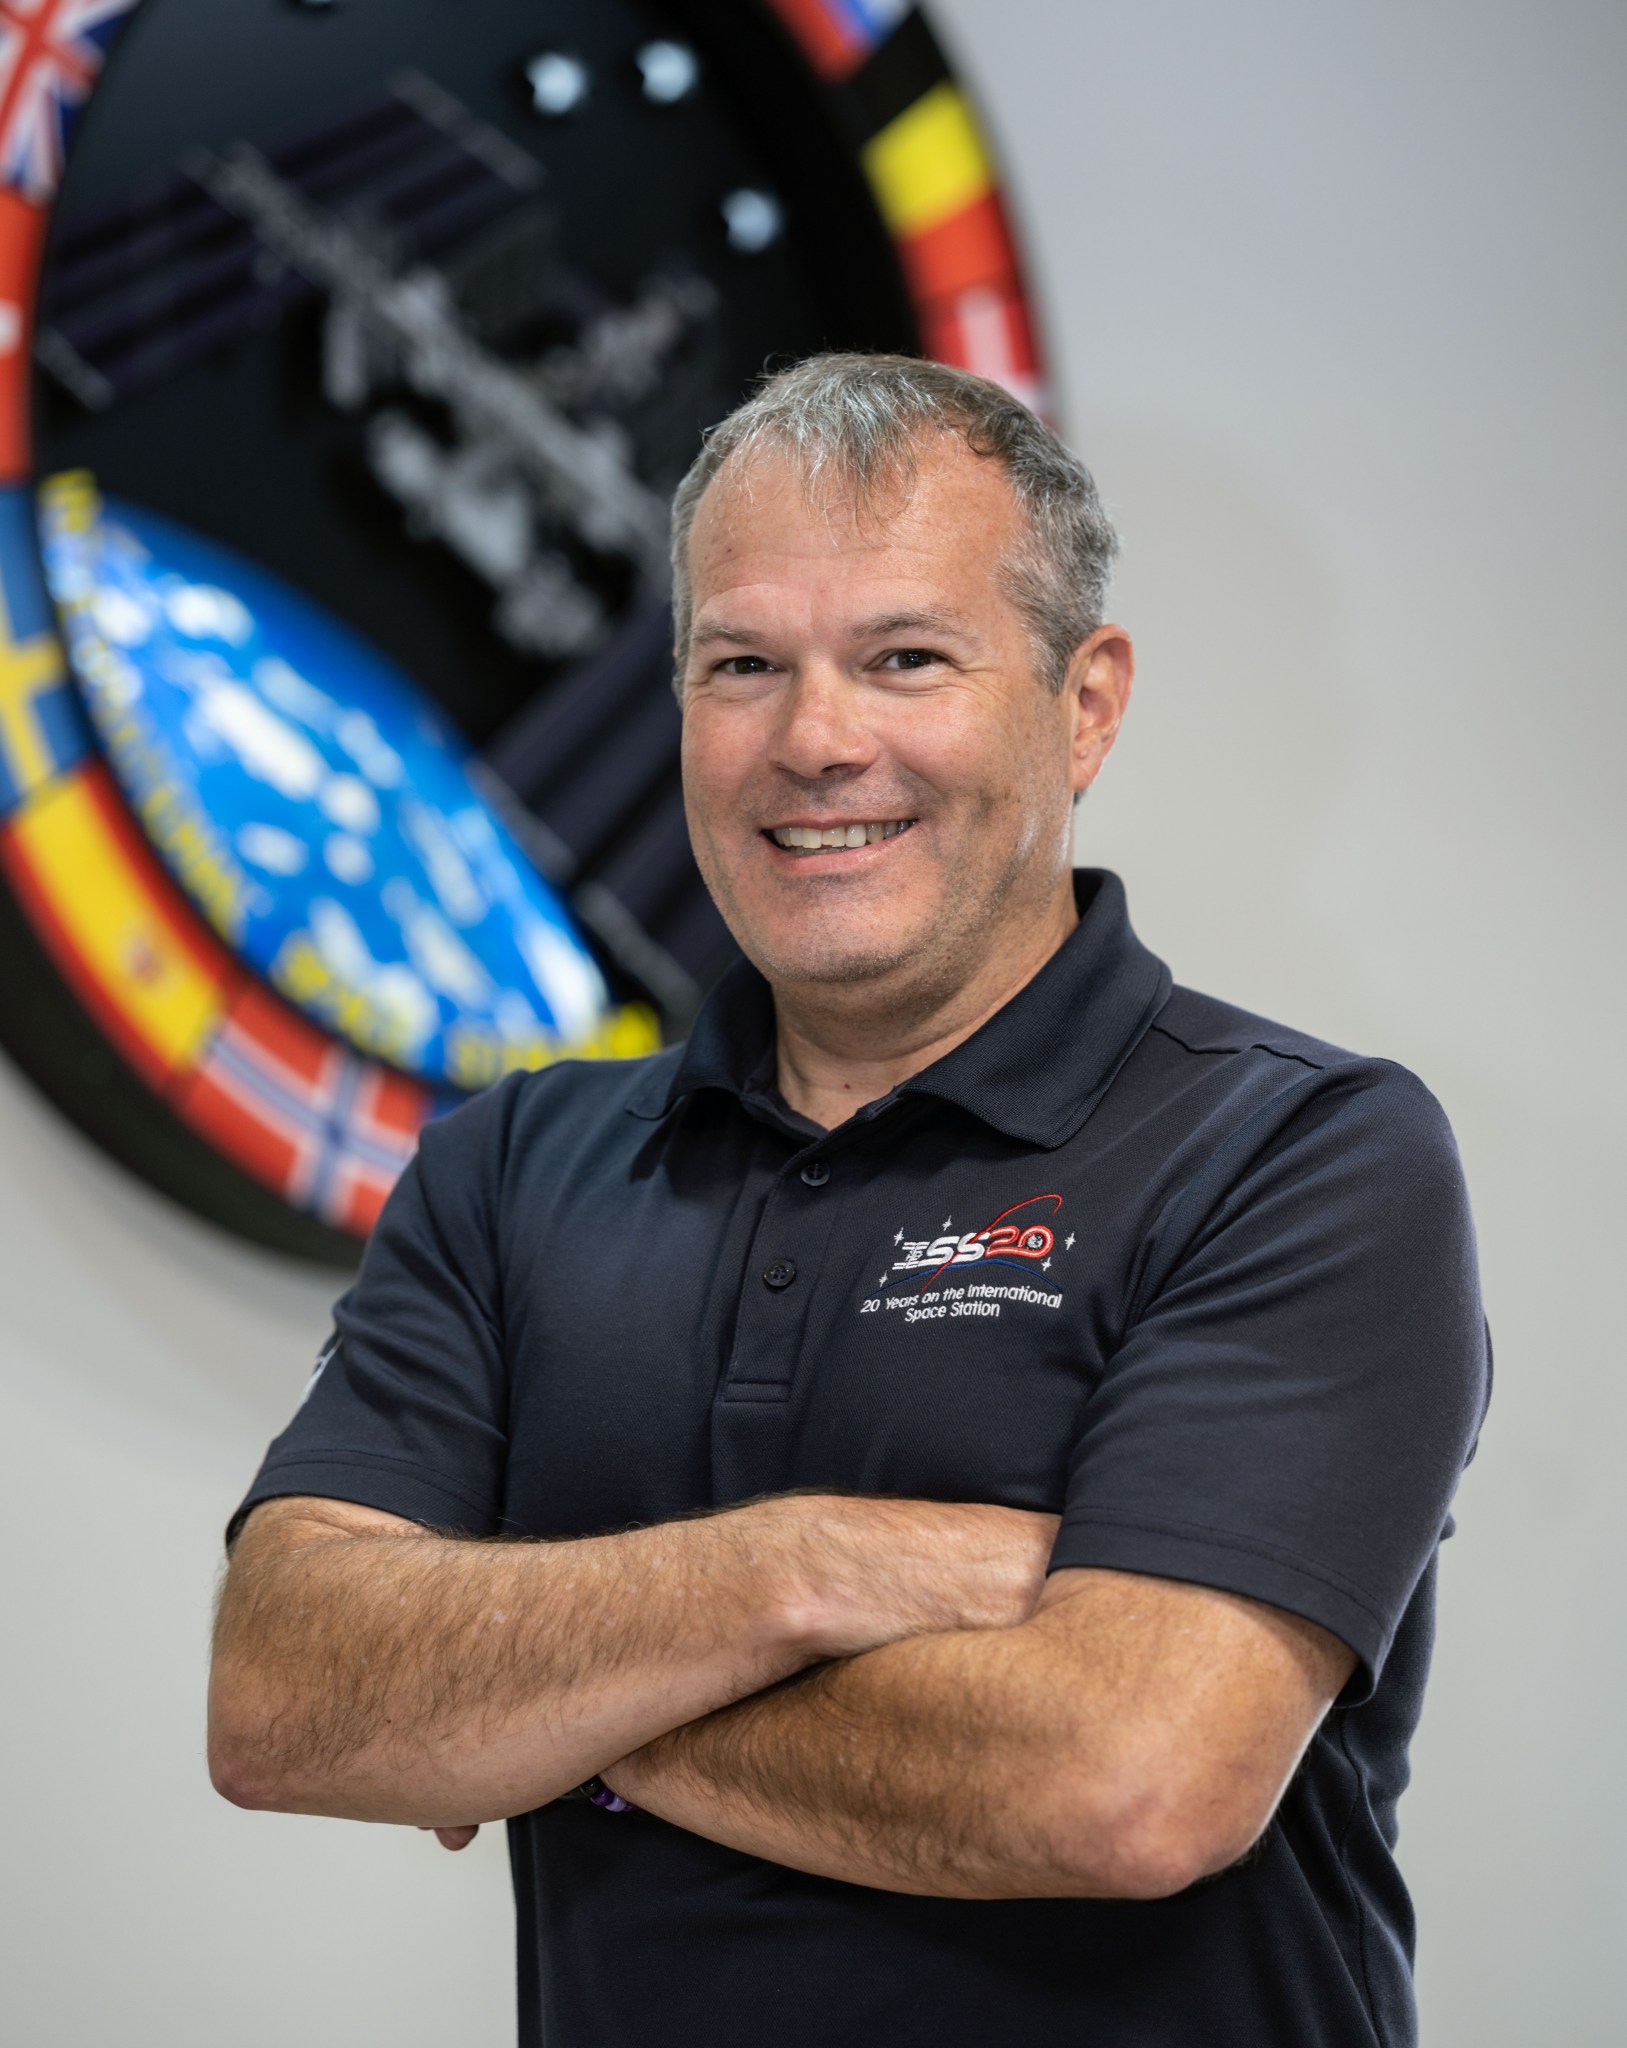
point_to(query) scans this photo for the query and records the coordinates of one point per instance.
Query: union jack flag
(50, 53)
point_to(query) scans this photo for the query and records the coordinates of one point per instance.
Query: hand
(453, 1838)
(871, 1570)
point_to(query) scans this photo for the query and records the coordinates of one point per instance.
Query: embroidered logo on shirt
(1022, 1236)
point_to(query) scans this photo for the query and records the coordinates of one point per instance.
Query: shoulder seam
(1231, 1051)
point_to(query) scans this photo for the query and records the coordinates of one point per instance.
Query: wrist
(835, 1592)
(626, 1777)
(806, 1596)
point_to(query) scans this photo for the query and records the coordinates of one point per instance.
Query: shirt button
(815, 1173)
(779, 1275)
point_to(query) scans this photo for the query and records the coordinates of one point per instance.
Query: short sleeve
(406, 1410)
(1305, 1375)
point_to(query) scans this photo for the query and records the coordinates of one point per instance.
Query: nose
(820, 728)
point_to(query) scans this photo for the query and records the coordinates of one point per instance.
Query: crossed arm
(1115, 1736)
(1133, 1736)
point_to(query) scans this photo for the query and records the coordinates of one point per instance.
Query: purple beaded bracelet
(600, 1794)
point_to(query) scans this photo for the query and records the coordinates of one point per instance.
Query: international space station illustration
(517, 466)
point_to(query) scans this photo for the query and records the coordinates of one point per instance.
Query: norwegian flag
(50, 53)
(330, 1132)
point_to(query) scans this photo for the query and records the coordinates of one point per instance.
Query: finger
(456, 1838)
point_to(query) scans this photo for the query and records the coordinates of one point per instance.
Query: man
(954, 1457)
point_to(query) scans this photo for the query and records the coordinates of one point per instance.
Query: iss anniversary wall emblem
(348, 356)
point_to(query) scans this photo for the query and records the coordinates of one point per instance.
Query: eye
(743, 665)
(910, 660)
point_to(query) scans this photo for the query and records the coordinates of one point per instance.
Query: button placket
(776, 1288)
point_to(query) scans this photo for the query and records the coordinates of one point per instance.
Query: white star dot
(1045, 1265)
(754, 219)
(946, 1222)
(882, 1282)
(669, 71)
(899, 1239)
(558, 83)
(1067, 1245)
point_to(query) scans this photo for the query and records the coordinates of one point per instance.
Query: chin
(845, 971)
(799, 958)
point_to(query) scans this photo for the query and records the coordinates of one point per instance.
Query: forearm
(413, 1678)
(944, 1765)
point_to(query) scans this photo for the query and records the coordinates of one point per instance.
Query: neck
(839, 1048)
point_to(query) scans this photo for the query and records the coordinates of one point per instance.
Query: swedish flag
(42, 727)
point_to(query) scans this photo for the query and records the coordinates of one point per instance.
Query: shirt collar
(1035, 1070)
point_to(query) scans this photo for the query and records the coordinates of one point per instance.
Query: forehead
(947, 519)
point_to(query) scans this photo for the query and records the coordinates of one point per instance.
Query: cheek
(943, 741)
(721, 763)
(995, 765)
(714, 764)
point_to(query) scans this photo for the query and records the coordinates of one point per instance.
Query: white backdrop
(1338, 303)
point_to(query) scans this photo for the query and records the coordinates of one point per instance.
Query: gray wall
(1338, 301)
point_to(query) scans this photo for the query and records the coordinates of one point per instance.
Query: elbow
(1150, 1843)
(237, 1773)
(235, 1778)
(242, 1764)
(1169, 1859)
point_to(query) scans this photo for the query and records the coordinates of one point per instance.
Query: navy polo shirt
(1201, 1285)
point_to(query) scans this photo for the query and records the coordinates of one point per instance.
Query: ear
(1097, 694)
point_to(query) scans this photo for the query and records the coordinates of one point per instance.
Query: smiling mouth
(835, 838)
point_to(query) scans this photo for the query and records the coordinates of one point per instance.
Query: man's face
(860, 669)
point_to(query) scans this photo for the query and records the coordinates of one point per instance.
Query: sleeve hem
(1233, 1565)
(371, 1479)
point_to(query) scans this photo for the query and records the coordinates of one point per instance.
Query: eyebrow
(882, 626)
(733, 636)
(933, 620)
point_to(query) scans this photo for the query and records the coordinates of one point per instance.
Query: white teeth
(842, 836)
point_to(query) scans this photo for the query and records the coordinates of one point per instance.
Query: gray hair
(858, 420)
